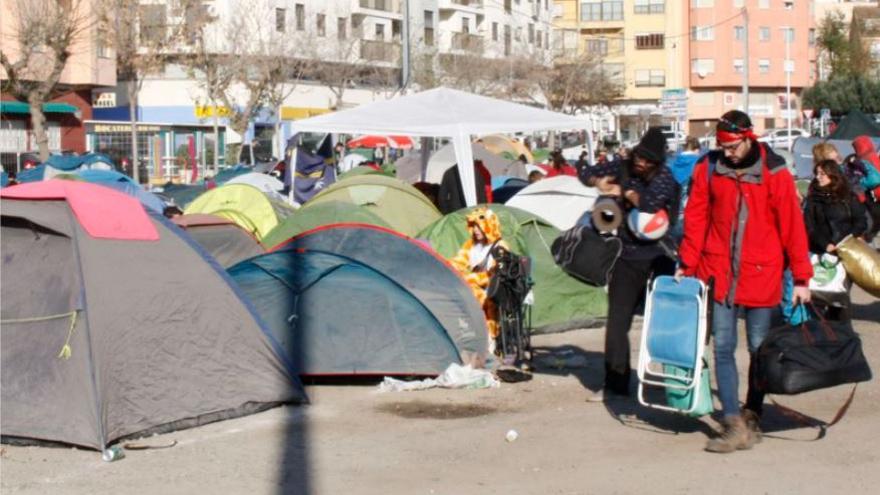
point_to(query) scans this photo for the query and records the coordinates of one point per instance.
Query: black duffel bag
(815, 354)
(586, 255)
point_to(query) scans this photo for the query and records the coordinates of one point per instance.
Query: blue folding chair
(673, 343)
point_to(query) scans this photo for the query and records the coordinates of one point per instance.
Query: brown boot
(753, 424)
(736, 436)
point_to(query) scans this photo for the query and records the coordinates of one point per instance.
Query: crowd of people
(744, 228)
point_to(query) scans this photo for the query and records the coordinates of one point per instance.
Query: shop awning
(22, 108)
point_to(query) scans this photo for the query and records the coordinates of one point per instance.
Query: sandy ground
(354, 440)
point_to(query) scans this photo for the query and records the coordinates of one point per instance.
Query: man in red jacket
(742, 226)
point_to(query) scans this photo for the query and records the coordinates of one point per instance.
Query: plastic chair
(673, 342)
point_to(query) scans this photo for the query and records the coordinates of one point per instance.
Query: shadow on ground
(588, 368)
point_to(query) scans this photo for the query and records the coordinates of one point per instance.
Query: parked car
(779, 138)
(674, 139)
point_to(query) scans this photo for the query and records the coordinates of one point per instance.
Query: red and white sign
(808, 113)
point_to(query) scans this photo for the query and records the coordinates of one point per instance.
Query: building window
(341, 24)
(811, 36)
(379, 31)
(507, 42)
(300, 17)
(597, 46)
(508, 7)
(321, 24)
(788, 34)
(649, 6)
(547, 40)
(702, 4)
(429, 28)
(704, 33)
(518, 34)
(703, 66)
(540, 39)
(531, 33)
(591, 11)
(739, 33)
(465, 25)
(764, 65)
(280, 19)
(763, 4)
(102, 46)
(612, 10)
(650, 78)
(649, 41)
(763, 33)
(614, 73)
(494, 31)
(602, 10)
(738, 65)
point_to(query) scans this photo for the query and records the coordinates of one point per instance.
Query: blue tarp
(349, 300)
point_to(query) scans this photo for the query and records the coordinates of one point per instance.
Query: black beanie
(652, 147)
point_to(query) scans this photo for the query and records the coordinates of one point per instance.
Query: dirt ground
(354, 440)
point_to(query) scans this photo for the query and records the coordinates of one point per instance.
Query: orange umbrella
(372, 141)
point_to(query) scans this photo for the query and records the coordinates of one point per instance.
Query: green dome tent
(245, 205)
(400, 205)
(362, 170)
(561, 302)
(316, 215)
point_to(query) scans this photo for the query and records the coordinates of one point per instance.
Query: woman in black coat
(831, 213)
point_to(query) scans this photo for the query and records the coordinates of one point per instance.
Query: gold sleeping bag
(861, 262)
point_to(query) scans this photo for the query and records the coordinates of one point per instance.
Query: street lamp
(789, 68)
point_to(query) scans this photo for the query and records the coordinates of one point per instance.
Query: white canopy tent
(443, 112)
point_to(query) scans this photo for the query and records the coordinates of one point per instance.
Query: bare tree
(44, 38)
(141, 35)
(574, 83)
(340, 68)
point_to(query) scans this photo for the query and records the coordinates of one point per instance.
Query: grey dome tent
(115, 325)
(222, 238)
(357, 299)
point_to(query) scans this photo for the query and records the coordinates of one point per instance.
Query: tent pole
(425, 156)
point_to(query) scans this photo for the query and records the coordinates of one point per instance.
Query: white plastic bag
(828, 275)
(455, 376)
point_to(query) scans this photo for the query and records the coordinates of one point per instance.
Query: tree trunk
(216, 140)
(38, 122)
(132, 109)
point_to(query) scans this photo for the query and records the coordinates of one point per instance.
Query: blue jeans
(724, 329)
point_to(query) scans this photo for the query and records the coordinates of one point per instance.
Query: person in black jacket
(831, 213)
(644, 182)
(451, 196)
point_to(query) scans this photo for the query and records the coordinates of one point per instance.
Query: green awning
(24, 109)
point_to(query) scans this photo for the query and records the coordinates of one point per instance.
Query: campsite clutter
(315, 275)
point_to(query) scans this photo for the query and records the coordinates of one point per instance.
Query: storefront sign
(206, 111)
(104, 100)
(124, 128)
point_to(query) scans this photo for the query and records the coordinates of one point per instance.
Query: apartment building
(641, 45)
(373, 35)
(781, 38)
(91, 64)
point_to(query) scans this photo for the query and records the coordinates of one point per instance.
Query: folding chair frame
(654, 378)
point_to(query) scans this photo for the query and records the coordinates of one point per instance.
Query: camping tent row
(443, 112)
(86, 363)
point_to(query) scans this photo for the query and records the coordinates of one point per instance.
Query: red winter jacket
(744, 230)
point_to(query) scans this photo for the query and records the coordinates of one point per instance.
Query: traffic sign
(808, 113)
(825, 113)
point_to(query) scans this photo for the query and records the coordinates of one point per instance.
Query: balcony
(380, 51)
(389, 9)
(467, 42)
(471, 6)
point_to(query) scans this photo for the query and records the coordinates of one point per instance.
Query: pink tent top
(102, 212)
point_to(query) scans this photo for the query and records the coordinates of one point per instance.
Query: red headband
(729, 137)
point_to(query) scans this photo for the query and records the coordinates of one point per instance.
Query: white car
(779, 138)
(674, 139)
